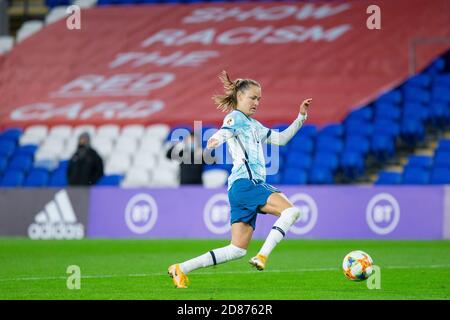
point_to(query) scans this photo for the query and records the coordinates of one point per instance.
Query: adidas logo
(56, 221)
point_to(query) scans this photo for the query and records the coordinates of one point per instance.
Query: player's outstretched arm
(282, 138)
(219, 137)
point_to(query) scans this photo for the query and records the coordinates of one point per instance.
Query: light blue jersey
(246, 146)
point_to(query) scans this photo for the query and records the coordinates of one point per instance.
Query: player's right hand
(305, 105)
(212, 143)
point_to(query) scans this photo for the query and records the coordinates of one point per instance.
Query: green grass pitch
(297, 269)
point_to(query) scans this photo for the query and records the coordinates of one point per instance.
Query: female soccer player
(248, 193)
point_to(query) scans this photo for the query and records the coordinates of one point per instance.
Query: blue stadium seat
(307, 130)
(294, 176)
(440, 93)
(442, 159)
(7, 147)
(326, 144)
(320, 175)
(303, 145)
(442, 80)
(111, 180)
(332, 130)
(298, 160)
(436, 67)
(359, 115)
(444, 145)
(352, 164)
(388, 127)
(357, 143)
(416, 111)
(440, 176)
(3, 164)
(274, 178)
(393, 96)
(387, 111)
(383, 146)
(328, 160)
(440, 114)
(415, 176)
(425, 162)
(362, 129)
(63, 164)
(416, 95)
(58, 179)
(412, 131)
(386, 177)
(37, 178)
(12, 134)
(26, 150)
(22, 163)
(420, 81)
(12, 178)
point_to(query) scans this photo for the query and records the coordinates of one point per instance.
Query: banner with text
(159, 63)
(44, 214)
(326, 213)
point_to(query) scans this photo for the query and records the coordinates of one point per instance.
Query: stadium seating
(134, 155)
(387, 177)
(37, 178)
(320, 175)
(294, 176)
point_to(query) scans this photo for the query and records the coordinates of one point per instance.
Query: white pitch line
(135, 275)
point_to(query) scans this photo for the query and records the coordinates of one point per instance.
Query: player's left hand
(305, 105)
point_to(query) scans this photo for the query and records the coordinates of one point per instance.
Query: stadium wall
(328, 212)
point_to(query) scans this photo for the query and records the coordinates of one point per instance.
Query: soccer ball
(357, 265)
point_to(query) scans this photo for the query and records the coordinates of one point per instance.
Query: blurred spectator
(85, 166)
(190, 154)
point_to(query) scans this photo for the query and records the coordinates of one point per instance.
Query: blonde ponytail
(228, 101)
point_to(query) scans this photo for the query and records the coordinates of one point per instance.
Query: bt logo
(383, 213)
(141, 213)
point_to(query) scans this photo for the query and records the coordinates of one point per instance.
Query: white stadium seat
(136, 177)
(163, 178)
(159, 131)
(28, 28)
(57, 13)
(108, 130)
(30, 139)
(6, 44)
(103, 146)
(77, 131)
(118, 163)
(125, 145)
(214, 178)
(133, 130)
(83, 4)
(144, 160)
(70, 147)
(40, 131)
(151, 145)
(53, 144)
(62, 131)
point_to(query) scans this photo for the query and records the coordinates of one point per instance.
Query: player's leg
(241, 234)
(279, 205)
